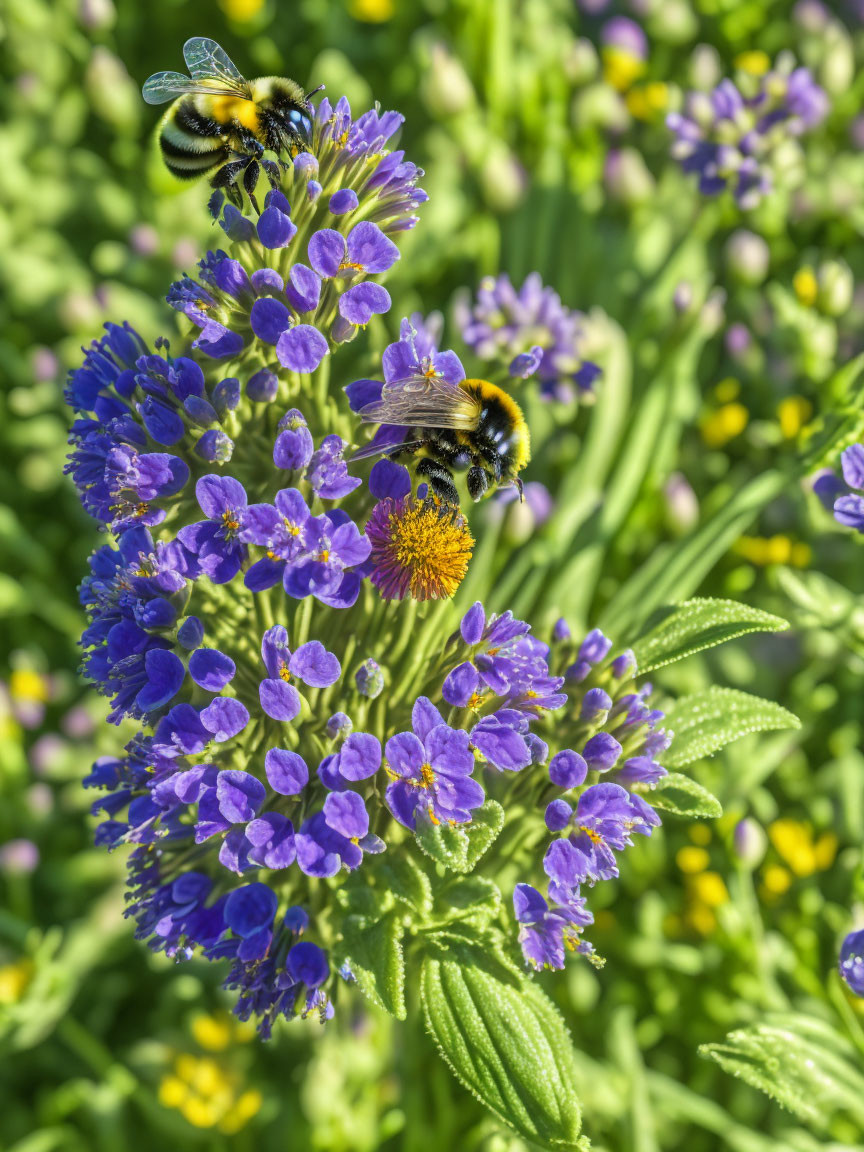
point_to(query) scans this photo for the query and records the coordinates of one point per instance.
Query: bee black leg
(440, 480)
(272, 170)
(477, 482)
(250, 180)
(228, 173)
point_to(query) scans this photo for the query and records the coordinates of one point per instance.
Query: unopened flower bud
(750, 842)
(748, 256)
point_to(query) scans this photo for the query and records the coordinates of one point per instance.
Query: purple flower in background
(737, 137)
(528, 331)
(430, 769)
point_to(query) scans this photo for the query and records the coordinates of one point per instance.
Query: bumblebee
(471, 425)
(220, 121)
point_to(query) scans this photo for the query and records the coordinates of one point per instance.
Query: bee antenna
(517, 484)
(320, 88)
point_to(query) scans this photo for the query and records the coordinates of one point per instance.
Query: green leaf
(405, 879)
(683, 796)
(373, 952)
(504, 1040)
(470, 899)
(804, 1064)
(459, 846)
(710, 720)
(698, 624)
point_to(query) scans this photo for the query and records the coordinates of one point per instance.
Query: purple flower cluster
(732, 136)
(528, 332)
(294, 314)
(344, 145)
(845, 498)
(595, 799)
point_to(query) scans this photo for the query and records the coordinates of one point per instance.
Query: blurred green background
(544, 149)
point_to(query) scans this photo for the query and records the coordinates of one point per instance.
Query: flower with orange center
(420, 548)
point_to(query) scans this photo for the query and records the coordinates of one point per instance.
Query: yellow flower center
(593, 836)
(228, 521)
(284, 674)
(433, 543)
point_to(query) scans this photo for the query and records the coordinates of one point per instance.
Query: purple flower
(239, 795)
(301, 348)
(270, 840)
(358, 758)
(430, 770)
(365, 251)
(286, 771)
(311, 663)
(303, 289)
(336, 836)
(848, 508)
(606, 816)
(359, 304)
(275, 227)
(294, 444)
(741, 142)
(211, 669)
(269, 318)
(411, 356)
(215, 541)
(328, 472)
(851, 962)
(345, 200)
(505, 661)
(547, 929)
(285, 529)
(334, 547)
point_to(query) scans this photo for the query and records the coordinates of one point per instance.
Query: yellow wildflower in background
(14, 979)
(621, 68)
(648, 101)
(371, 11)
(241, 10)
(793, 412)
(795, 844)
(806, 286)
(208, 1094)
(754, 62)
(766, 550)
(724, 424)
(691, 859)
(28, 684)
(217, 1033)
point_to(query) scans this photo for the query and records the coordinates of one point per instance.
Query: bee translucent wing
(424, 402)
(208, 63)
(373, 449)
(167, 86)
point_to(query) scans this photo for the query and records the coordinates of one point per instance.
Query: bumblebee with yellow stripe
(220, 121)
(471, 425)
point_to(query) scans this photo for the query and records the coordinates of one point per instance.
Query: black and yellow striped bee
(219, 120)
(471, 425)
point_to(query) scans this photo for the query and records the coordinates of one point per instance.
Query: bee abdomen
(191, 142)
